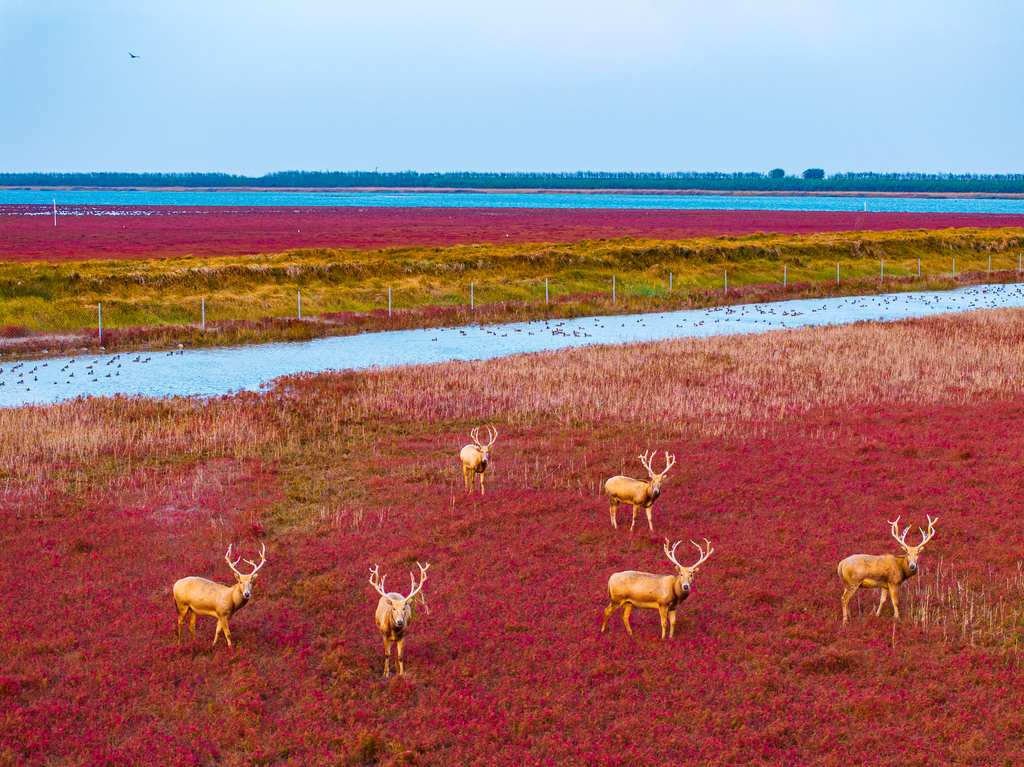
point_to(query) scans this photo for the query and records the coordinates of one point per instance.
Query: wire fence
(295, 313)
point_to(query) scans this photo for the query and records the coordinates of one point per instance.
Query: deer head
(492, 434)
(913, 552)
(399, 605)
(657, 479)
(243, 578)
(687, 573)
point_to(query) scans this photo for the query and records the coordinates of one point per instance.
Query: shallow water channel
(219, 371)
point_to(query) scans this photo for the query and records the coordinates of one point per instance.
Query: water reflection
(219, 371)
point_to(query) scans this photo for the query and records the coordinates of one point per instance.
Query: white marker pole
(55, 212)
(613, 288)
(837, 274)
(881, 277)
(100, 306)
(204, 314)
(546, 299)
(472, 301)
(726, 280)
(300, 304)
(919, 268)
(389, 300)
(785, 277)
(954, 268)
(670, 282)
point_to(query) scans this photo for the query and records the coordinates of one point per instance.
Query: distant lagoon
(341, 198)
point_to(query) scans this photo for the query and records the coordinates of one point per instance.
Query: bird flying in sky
(133, 55)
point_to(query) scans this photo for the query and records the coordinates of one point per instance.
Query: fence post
(300, 304)
(55, 212)
(726, 280)
(919, 268)
(837, 274)
(204, 314)
(101, 321)
(472, 301)
(389, 300)
(613, 288)
(990, 262)
(670, 282)
(785, 277)
(954, 268)
(881, 276)
(546, 300)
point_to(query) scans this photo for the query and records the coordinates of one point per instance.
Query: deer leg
(671, 623)
(482, 473)
(881, 602)
(663, 614)
(650, 522)
(850, 591)
(895, 602)
(634, 518)
(192, 624)
(387, 657)
(614, 507)
(465, 477)
(181, 618)
(227, 632)
(608, 611)
(626, 610)
(401, 657)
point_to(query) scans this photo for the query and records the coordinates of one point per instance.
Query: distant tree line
(775, 180)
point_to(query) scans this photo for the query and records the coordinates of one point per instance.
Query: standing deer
(474, 458)
(885, 572)
(636, 492)
(394, 613)
(205, 597)
(662, 592)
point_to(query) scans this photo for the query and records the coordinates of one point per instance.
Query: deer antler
(925, 537)
(895, 532)
(669, 463)
(645, 459)
(263, 561)
(475, 436)
(672, 554)
(377, 581)
(703, 556)
(227, 558)
(423, 579)
(493, 437)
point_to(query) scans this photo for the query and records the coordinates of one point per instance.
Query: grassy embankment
(255, 298)
(795, 449)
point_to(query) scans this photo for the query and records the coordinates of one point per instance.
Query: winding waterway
(207, 372)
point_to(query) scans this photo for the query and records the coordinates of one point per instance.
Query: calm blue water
(511, 200)
(219, 371)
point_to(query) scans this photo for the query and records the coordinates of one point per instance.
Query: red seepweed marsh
(794, 449)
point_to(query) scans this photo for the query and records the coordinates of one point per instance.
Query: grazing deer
(474, 458)
(662, 592)
(885, 572)
(205, 597)
(394, 613)
(636, 492)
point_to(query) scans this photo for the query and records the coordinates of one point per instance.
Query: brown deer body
(393, 615)
(205, 597)
(474, 458)
(663, 593)
(638, 493)
(885, 572)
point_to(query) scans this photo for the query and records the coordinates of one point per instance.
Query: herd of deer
(627, 589)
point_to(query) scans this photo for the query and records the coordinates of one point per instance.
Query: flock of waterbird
(627, 589)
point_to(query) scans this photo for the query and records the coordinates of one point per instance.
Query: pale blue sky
(548, 85)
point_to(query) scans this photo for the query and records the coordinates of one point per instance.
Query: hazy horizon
(555, 86)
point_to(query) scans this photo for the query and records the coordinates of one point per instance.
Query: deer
(665, 593)
(885, 572)
(637, 493)
(394, 612)
(474, 458)
(204, 597)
